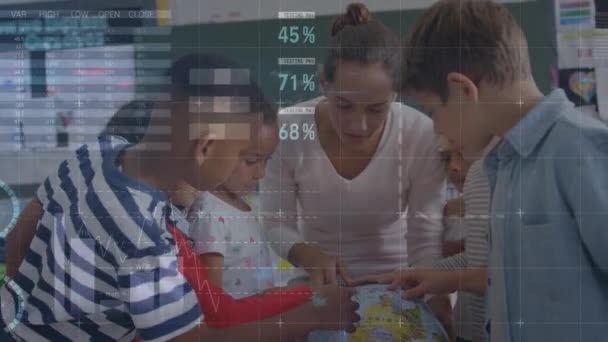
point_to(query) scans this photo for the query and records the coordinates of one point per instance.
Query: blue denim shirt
(549, 182)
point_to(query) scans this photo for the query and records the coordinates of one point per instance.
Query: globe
(386, 316)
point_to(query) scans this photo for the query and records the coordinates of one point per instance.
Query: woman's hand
(322, 268)
(415, 283)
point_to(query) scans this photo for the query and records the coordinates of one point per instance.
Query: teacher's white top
(389, 216)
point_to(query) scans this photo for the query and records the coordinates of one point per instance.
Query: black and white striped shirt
(102, 265)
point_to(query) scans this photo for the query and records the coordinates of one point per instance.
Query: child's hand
(334, 308)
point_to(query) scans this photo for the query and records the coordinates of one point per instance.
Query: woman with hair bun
(367, 195)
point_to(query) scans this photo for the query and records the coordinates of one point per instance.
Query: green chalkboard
(256, 44)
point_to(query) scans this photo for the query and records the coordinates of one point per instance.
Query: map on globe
(386, 316)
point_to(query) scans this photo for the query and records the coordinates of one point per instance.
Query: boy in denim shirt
(467, 64)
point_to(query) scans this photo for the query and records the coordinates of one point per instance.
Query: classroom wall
(256, 45)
